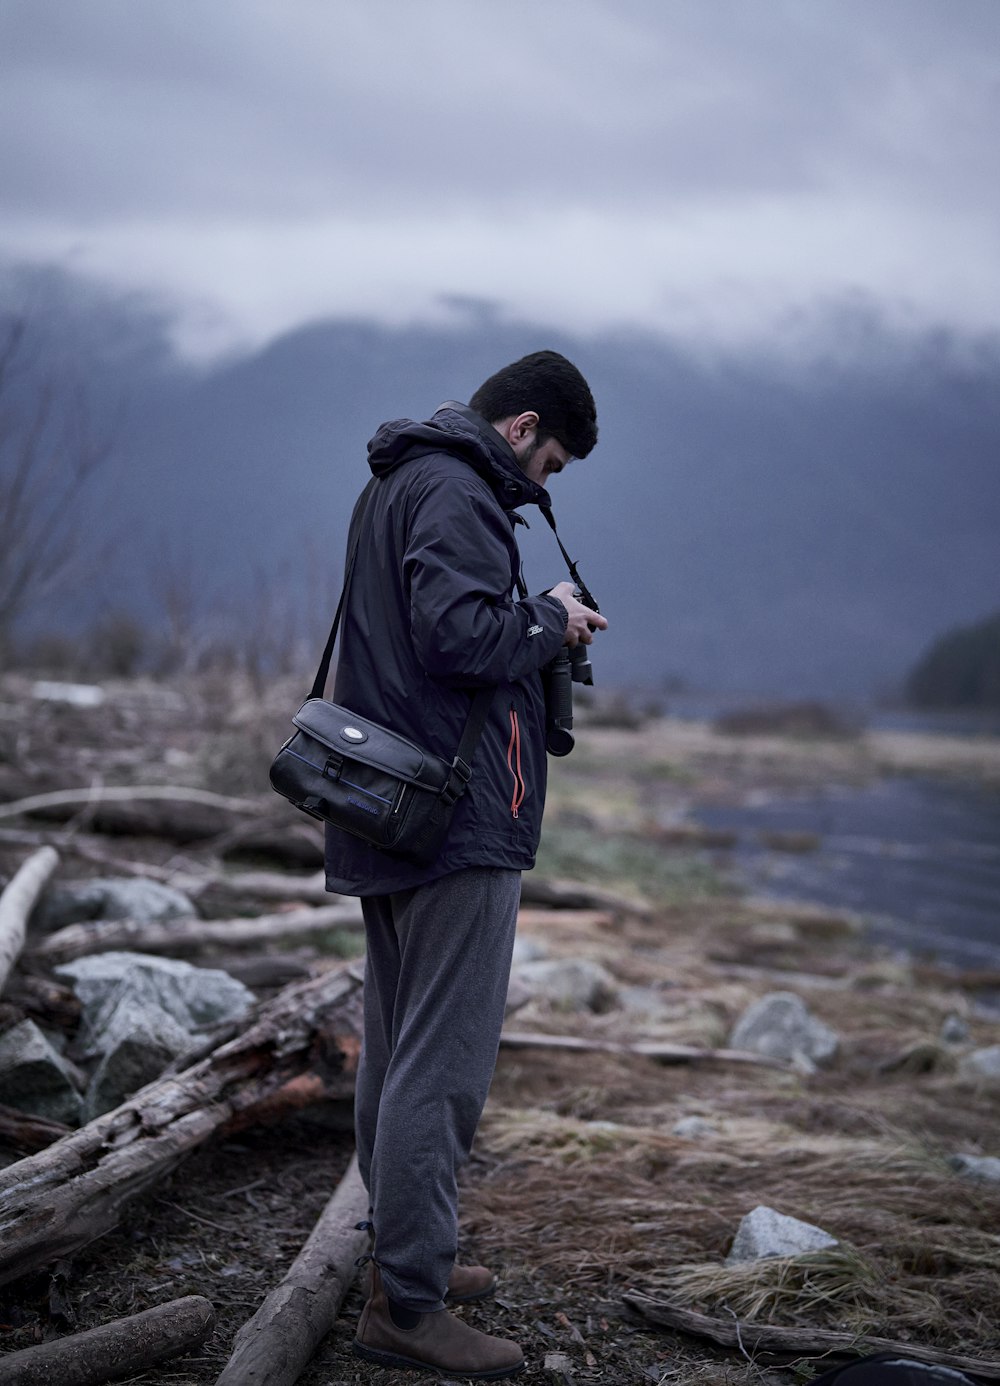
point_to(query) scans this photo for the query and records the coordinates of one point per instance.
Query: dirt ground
(579, 1190)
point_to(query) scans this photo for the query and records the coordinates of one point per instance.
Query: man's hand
(582, 621)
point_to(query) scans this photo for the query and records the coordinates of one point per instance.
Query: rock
(138, 993)
(73, 902)
(765, 1232)
(981, 1063)
(35, 1078)
(527, 950)
(75, 694)
(985, 1167)
(693, 1128)
(138, 1041)
(518, 995)
(560, 1364)
(954, 1030)
(193, 996)
(569, 984)
(780, 1026)
(645, 1002)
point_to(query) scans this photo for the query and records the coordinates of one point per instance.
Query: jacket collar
(502, 469)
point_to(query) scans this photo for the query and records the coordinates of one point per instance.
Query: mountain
(757, 522)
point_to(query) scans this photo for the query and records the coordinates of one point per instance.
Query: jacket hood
(460, 431)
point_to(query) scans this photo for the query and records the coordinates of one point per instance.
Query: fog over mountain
(779, 523)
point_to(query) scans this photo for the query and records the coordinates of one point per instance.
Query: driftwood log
(273, 1347)
(165, 811)
(209, 888)
(17, 902)
(175, 936)
(648, 1049)
(270, 970)
(23, 1132)
(538, 917)
(51, 1003)
(301, 1047)
(568, 895)
(798, 1342)
(114, 1350)
(79, 799)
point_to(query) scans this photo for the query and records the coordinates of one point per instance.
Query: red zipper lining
(514, 763)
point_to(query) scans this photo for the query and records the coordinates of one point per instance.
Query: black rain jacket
(429, 618)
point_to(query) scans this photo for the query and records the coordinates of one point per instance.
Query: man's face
(539, 461)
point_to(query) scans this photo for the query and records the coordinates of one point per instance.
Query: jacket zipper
(514, 762)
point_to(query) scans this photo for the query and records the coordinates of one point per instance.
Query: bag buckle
(334, 766)
(460, 776)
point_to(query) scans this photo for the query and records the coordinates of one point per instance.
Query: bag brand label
(354, 734)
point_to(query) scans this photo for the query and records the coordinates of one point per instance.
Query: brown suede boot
(440, 1342)
(468, 1283)
(465, 1284)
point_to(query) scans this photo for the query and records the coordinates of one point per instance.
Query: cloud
(663, 164)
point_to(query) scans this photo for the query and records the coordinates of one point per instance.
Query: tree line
(960, 669)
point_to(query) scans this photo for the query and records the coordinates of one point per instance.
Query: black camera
(569, 666)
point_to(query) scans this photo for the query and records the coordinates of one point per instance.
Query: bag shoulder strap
(357, 515)
(478, 712)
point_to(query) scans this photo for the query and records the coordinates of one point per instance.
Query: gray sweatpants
(436, 975)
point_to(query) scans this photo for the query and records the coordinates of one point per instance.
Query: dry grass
(578, 1188)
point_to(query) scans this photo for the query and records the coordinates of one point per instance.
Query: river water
(918, 858)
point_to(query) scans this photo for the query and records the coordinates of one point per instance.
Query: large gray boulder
(72, 902)
(765, 1232)
(780, 1026)
(35, 1078)
(567, 984)
(194, 997)
(137, 1040)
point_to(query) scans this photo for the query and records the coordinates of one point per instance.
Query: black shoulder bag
(365, 779)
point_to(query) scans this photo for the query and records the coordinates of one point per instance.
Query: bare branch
(49, 456)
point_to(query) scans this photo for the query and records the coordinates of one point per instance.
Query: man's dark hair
(554, 389)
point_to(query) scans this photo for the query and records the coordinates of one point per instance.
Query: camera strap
(585, 595)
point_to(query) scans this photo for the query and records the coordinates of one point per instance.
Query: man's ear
(522, 427)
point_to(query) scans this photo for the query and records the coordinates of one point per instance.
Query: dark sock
(401, 1317)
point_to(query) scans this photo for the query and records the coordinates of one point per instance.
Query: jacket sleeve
(465, 626)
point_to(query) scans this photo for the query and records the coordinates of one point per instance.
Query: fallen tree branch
(24, 1132)
(113, 1350)
(184, 935)
(261, 885)
(17, 902)
(543, 918)
(168, 812)
(205, 886)
(47, 1001)
(798, 1342)
(273, 1347)
(648, 1049)
(300, 1047)
(271, 970)
(568, 895)
(125, 794)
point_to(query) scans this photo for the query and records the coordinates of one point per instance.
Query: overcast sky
(714, 168)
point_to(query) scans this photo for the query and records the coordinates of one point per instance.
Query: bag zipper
(514, 762)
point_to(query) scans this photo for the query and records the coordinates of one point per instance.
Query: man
(429, 618)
